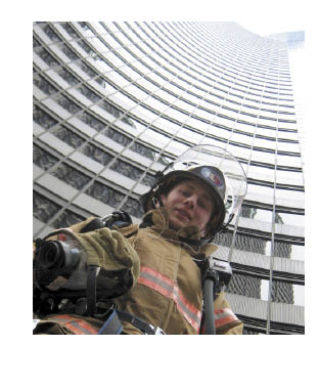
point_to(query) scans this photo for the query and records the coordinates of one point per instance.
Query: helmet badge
(216, 179)
(212, 176)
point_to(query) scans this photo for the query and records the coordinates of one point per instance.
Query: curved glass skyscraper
(116, 102)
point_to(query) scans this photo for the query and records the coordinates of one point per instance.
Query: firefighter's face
(188, 204)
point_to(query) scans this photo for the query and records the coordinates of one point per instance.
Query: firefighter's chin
(178, 219)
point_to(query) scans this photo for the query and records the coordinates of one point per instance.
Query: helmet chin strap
(224, 227)
(156, 203)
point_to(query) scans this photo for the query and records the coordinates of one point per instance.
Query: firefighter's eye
(185, 193)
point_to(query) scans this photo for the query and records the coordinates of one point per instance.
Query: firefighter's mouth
(184, 215)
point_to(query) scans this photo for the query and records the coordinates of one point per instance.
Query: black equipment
(53, 259)
(56, 259)
(216, 274)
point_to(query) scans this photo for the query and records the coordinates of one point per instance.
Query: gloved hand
(110, 250)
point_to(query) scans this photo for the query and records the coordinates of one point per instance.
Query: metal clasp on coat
(157, 331)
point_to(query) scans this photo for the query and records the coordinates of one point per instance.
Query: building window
(43, 208)
(71, 176)
(66, 219)
(43, 84)
(43, 159)
(96, 154)
(105, 194)
(42, 118)
(68, 136)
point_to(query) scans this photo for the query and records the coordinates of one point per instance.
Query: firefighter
(163, 255)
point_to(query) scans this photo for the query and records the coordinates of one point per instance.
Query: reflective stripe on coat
(168, 288)
(67, 324)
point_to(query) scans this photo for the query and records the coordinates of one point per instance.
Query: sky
(265, 27)
(271, 16)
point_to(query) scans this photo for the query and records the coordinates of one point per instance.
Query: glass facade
(116, 102)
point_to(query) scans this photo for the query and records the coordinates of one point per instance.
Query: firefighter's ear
(205, 230)
(155, 202)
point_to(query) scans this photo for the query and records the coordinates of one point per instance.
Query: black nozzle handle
(208, 294)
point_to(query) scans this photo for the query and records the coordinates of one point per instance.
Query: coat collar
(158, 220)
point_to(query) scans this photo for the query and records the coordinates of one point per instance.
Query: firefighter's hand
(109, 249)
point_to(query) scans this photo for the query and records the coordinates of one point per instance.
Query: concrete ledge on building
(284, 318)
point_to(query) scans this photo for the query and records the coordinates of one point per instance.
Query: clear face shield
(234, 175)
